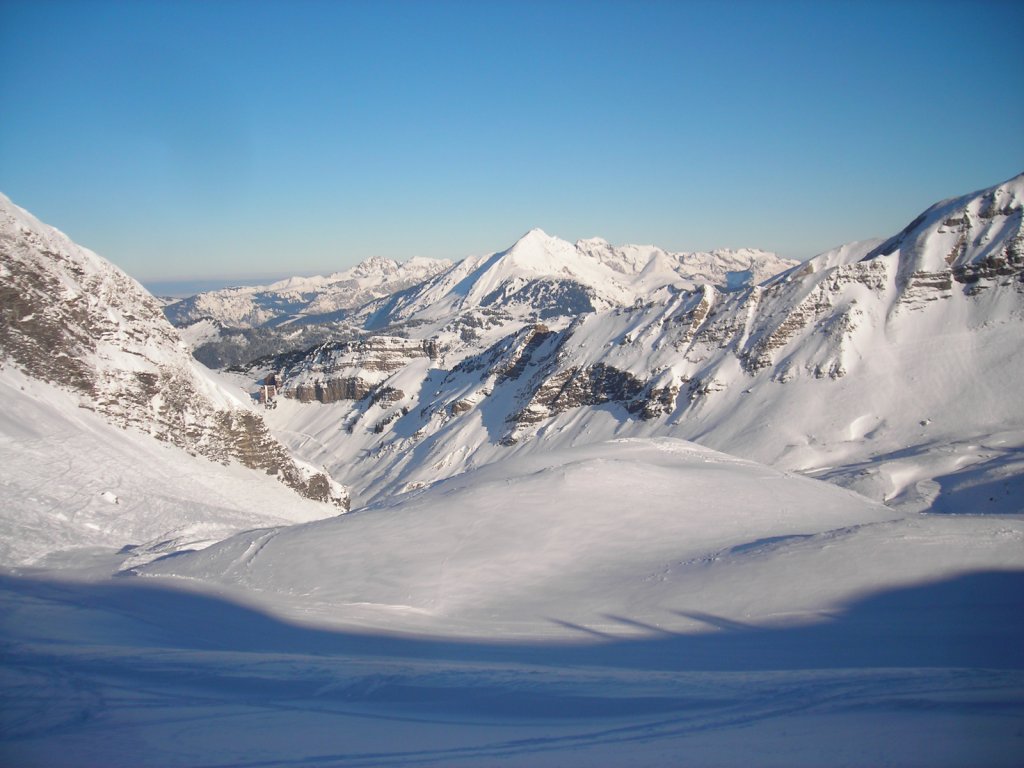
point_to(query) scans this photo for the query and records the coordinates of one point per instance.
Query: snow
(567, 537)
(71, 480)
(599, 591)
(624, 603)
(844, 368)
(305, 298)
(609, 276)
(426, 632)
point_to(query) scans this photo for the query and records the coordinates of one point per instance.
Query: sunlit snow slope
(650, 531)
(73, 487)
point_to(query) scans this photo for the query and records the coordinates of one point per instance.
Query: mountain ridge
(471, 282)
(72, 319)
(295, 298)
(710, 364)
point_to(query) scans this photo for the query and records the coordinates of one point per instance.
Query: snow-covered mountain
(541, 568)
(304, 299)
(540, 275)
(882, 365)
(547, 279)
(472, 302)
(70, 319)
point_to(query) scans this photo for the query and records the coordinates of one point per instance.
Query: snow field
(626, 537)
(71, 481)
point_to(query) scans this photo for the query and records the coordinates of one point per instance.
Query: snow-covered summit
(969, 237)
(543, 277)
(539, 274)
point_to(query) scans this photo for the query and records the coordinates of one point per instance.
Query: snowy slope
(74, 487)
(140, 672)
(636, 529)
(633, 601)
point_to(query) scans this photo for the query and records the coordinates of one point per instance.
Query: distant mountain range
(543, 274)
(303, 299)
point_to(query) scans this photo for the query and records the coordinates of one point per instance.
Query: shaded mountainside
(70, 318)
(880, 365)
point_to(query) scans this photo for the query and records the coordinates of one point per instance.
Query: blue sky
(208, 139)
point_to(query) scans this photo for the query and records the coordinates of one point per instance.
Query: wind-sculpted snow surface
(572, 535)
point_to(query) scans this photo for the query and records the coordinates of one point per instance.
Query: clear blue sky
(195, 139)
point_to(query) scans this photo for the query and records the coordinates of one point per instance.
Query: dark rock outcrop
(351, 370)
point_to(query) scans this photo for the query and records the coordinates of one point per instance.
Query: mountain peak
(536, 232)
(535, 237)
(539, 251)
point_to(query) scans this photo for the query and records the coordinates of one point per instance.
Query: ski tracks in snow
(523, 714)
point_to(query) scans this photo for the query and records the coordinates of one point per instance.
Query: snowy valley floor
(629, 603)
(140, 672)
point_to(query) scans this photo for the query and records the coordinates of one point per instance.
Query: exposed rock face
(963, 240)
(352, 370)
(70, 318)
(574, 387)
(545, 298)
(803, 322)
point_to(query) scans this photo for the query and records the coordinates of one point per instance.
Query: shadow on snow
(972, 620)
(124, 663)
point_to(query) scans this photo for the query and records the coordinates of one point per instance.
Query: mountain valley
(561, 504)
